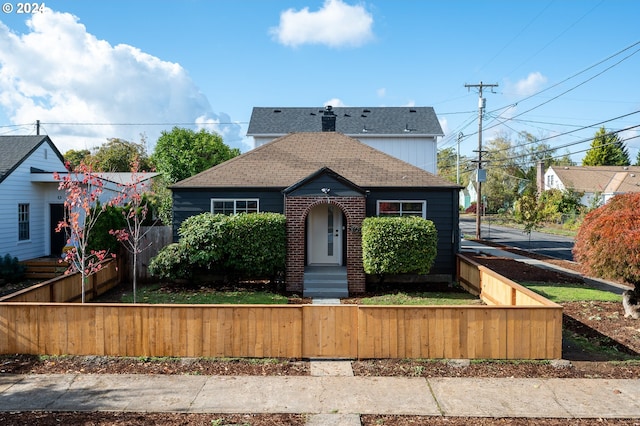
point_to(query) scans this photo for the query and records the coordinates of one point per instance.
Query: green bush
(11, 269)
(255, 244)
(398, 245)
(202, 240)
(248, 245)
(99, 237)
(170, 263)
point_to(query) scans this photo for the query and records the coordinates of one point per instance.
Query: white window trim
(423, 202)
(28, 222)
(235, 203)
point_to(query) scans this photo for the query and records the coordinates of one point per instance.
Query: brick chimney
(328, 120)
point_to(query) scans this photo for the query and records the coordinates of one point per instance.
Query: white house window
(233, 206)
(550, 181)
(402, 208)
(23, 222)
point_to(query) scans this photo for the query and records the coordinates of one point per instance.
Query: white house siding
(419, 151)
(553, 181)
(18, 188)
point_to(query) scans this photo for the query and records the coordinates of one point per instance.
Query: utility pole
(460, 135)
(480, 172)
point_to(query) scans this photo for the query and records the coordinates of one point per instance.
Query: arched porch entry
(324, 219)
(310, 250)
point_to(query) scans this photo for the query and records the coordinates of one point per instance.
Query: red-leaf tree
(608, 242)
(83, 189)
(135, 212)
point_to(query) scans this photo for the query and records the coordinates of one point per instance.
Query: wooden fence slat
(350, 331)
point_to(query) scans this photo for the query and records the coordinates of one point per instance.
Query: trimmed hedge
(247, 245)
(398, 245)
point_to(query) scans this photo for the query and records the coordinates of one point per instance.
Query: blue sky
(90, 70)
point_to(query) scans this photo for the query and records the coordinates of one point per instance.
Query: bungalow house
(325, 183)
(30, 204)
(597, 183)
(407, 133)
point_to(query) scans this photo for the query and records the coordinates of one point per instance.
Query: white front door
(324, 235)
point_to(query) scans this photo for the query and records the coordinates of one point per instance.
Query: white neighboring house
(597, 183)
(408, 133)
(468, 195)
(30, 203)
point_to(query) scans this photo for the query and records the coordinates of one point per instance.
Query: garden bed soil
(603, 323)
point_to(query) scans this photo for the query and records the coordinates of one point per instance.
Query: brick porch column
(296, 211)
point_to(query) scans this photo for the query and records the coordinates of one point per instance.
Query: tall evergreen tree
(606, 150)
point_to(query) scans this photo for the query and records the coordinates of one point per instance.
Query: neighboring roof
(125, 178)
(607, 179)
(407, 121)
(15, 149)
(289, 159)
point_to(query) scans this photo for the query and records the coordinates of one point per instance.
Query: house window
(550, 181)
(402, 208)
(233, 206)
(23, 222)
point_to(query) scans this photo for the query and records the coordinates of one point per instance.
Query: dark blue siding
(442, 210)
(190, 202)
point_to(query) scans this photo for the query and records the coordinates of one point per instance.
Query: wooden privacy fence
(154, 239)
(520, 325)
(68, 288)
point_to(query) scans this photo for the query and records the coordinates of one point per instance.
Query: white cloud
(335, 102)
(58, 72)
(530, 85)
(336, 24)
(382, 92)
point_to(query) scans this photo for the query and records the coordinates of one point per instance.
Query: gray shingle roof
(608, 179)
(15, 149)
(291, 158)
(349, 120)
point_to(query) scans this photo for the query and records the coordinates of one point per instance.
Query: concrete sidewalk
(328, 399)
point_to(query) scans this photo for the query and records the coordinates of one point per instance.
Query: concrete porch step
(325, 282)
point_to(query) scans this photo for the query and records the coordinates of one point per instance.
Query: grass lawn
(423, 298)
(572, 293)
(156, 294)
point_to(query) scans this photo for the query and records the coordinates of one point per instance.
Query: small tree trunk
(135, 275)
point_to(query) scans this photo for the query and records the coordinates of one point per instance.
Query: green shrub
(249, 245)
(202, 240)
(99, 237)
(11, 269)
(255, 244)
(170, 263)
(398, 245)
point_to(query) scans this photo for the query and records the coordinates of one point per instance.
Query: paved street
(542, 243)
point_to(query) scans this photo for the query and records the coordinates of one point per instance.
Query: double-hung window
(234, 206)
(402, 208)
(23, 222)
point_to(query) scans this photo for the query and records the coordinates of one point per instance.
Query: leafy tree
(606, 150)
(529, 212)
(82, 189)
(447, 166)
(182, 153)
(607, 242)
(116, 155)
(134, 215)
(637, 159)
(74, 158)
